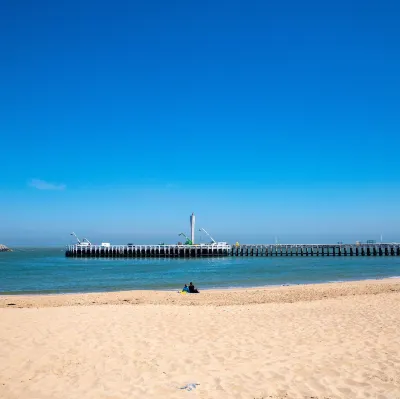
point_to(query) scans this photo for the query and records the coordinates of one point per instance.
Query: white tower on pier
(192, 223)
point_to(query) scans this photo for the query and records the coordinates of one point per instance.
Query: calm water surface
(46, 270)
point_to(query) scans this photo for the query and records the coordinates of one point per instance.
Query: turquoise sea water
(46, 270)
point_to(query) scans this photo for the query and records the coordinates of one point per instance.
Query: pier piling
(215, 250)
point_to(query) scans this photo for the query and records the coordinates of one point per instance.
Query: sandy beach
(339, 340)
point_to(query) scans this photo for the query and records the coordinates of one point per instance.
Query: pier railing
(213, 250)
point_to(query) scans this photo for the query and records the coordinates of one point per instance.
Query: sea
(48, 271)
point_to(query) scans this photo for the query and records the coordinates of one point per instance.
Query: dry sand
(321, 341)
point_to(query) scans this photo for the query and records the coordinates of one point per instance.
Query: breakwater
(194, 251)
(3, 248)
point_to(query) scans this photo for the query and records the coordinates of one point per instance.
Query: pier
(215, 250)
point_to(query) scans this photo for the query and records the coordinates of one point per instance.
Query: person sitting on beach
(185, 288)
(193, 289)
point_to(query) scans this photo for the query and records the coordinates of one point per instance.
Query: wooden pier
(200, 251)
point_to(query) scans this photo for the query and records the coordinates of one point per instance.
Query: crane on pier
(85, 241)
(213, 242)
(212, 239)
(188, 240)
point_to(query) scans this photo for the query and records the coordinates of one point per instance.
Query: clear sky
(266, 118)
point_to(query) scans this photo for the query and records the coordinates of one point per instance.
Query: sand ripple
(346, 347)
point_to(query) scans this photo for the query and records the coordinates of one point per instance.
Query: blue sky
(118, 119)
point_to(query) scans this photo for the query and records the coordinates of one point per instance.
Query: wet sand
(339, 340)
(222, 297)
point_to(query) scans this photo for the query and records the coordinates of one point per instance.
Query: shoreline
(206, 289)
(208, 297)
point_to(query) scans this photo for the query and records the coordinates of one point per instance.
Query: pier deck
(198, 251)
